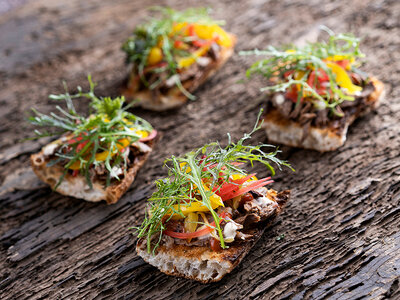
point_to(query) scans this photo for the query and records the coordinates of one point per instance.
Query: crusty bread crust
(174, 98)
(288, 132)
(200, 262)
(76, 186)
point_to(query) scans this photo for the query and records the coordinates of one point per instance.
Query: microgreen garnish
(292, 67)
(187, 175)
(91, 140)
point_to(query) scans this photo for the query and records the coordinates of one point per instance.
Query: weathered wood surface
(341, 228)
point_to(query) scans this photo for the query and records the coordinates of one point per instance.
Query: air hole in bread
(215, 274)
(203, 265)
(195, 272)
(170, 266)
(39, 161)
(52, 181)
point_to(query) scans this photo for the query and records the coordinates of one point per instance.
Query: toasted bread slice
(174, 97)
(200, 262)
(289, 132)
(76, 186)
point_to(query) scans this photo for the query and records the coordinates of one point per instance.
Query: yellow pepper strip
(122, 143)
(237, 176)
(75, 166)
(297, 76)
(182, 165)
(155, 56)
(190, 223)
(185, 62)
(142, 133)
(214, 199)
(208, 32)
(178, 27)
(205, 32)
(102, 156)
(342, 57)
(343, 79)
(196, 206)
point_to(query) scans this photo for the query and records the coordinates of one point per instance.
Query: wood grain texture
(341, 227)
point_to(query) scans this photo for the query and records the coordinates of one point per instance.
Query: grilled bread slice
(205, 265)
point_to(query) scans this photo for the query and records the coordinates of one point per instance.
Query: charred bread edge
(175, 98)
(288, 132)
(77, 186)
(201, 263)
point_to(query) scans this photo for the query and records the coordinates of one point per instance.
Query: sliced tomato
(215, 245)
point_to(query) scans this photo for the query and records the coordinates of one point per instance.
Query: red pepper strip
(191, 30)
(75, 140)
(255, 185)
(151, 136)
(75, 173)
(198, 43)
(292, 94)
(322, 77)
(343, 63)
(190, 235)
(81, 145)
(228, 187)
(288, 73)
(178, 44)
(203, 157)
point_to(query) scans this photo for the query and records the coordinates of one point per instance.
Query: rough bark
(338, 237)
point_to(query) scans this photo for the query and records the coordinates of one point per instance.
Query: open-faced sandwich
(316, 92)
(206, 216)
(173, 55)
(96, 158)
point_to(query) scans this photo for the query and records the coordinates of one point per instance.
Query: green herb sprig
(107, 123)
(311, 56)
(186, 175)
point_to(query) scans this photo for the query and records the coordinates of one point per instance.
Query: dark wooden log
(338, 238)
